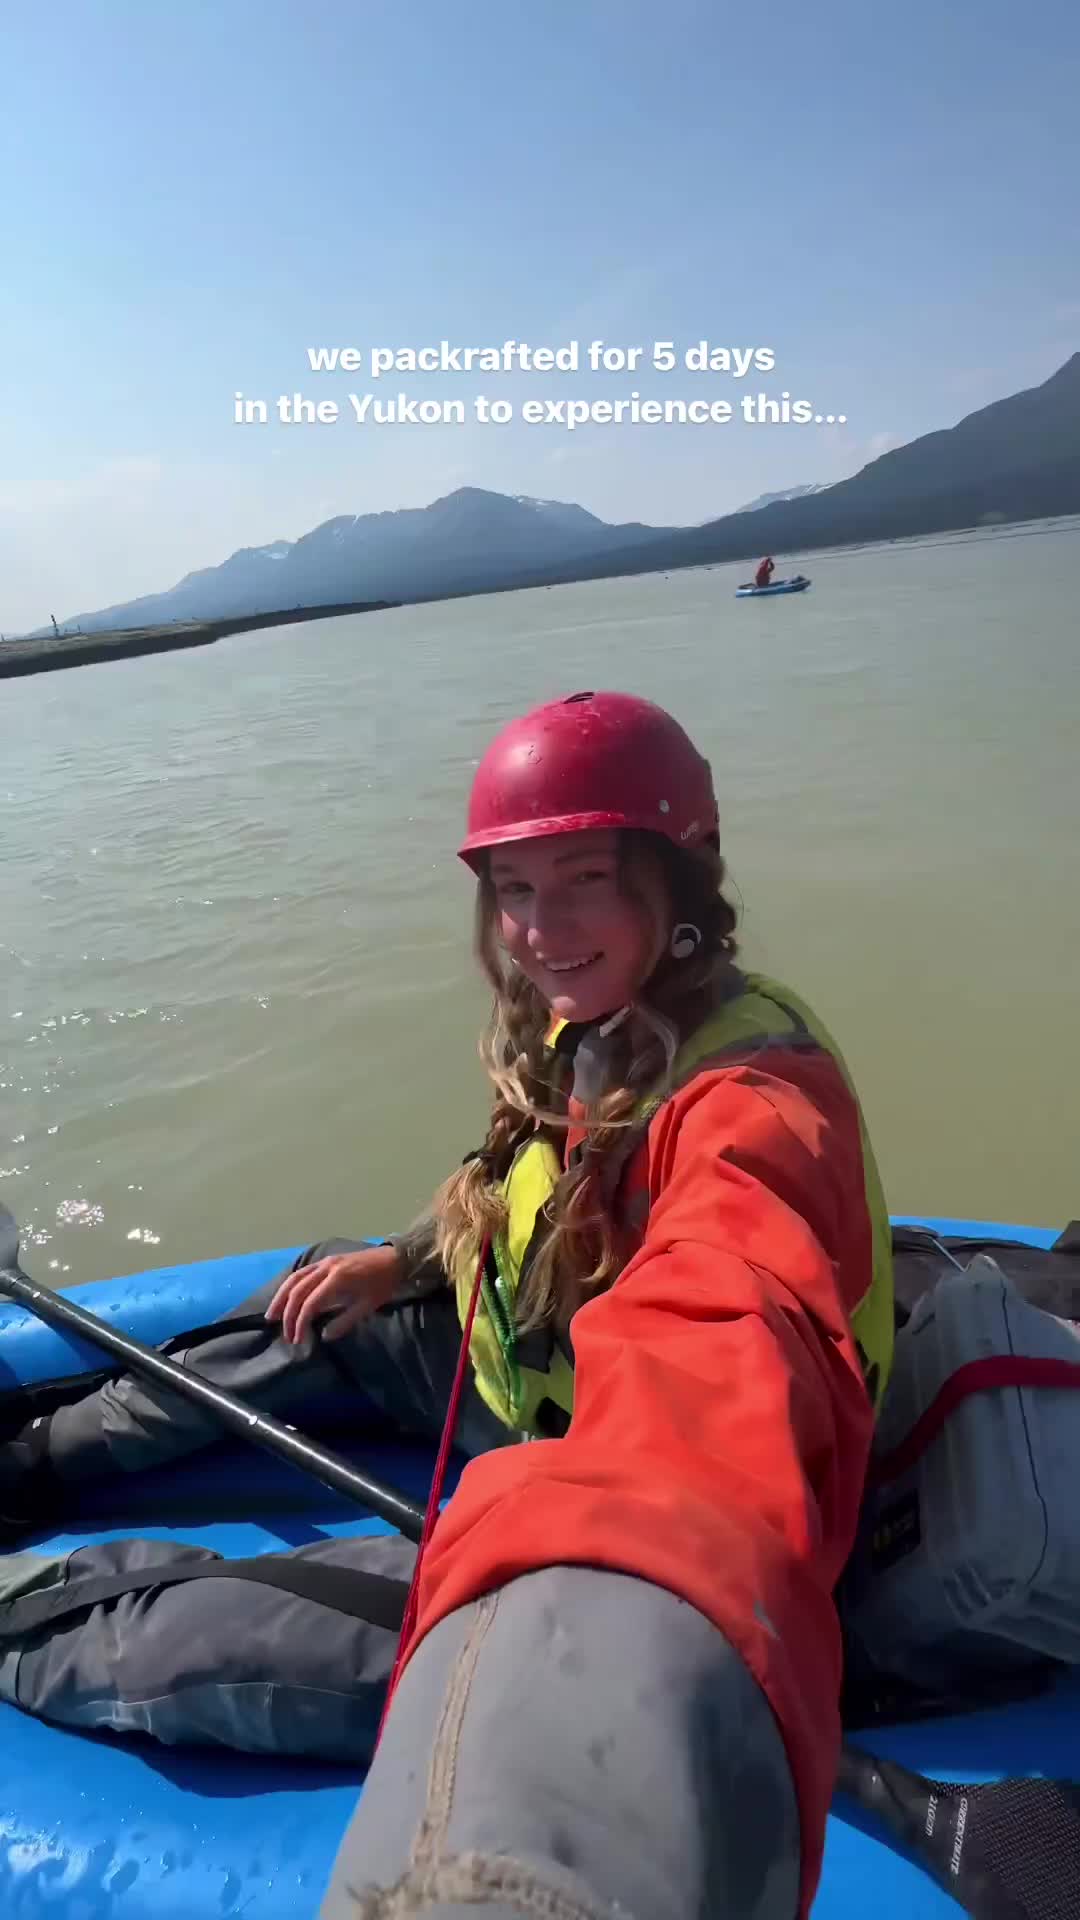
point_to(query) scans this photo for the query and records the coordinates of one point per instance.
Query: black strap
(366, 1596)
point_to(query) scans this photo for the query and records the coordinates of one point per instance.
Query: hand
(358, 1283)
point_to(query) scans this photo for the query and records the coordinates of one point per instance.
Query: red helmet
(591, 760)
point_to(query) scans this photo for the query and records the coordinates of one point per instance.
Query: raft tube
(97, 1827)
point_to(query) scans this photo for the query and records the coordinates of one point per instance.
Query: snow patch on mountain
(792, 493)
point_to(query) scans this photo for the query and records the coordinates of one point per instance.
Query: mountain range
(1018, 458)
(465, 542)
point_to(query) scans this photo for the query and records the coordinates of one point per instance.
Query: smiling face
(585, 924)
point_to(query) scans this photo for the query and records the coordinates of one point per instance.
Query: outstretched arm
(712, 1471)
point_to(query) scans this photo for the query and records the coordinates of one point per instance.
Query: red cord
(977, 1376)
(438, 1481)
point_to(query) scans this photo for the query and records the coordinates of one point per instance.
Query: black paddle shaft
(60, 1311)
(950, 1831)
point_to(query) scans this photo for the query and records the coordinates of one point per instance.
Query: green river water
(237, 1005)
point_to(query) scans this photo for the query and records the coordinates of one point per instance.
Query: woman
(626, 1663)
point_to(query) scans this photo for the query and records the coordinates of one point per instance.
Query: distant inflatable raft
(797, 584)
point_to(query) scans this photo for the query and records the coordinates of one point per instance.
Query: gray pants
(402, 1360)
(579, 1744)
(219, 1662)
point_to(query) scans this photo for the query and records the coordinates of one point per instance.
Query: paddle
(60, 1311)
(1004, 1850)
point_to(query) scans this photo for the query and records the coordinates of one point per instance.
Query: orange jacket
(756, 1247)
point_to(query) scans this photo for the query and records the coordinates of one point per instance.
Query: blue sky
(196, 194)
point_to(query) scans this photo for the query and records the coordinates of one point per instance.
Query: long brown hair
(582, 1252)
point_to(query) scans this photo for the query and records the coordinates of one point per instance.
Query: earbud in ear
(685, 940)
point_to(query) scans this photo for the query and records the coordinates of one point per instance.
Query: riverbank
(45, 654)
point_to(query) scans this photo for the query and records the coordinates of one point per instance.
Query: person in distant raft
(621, 1691)
(764, 574)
